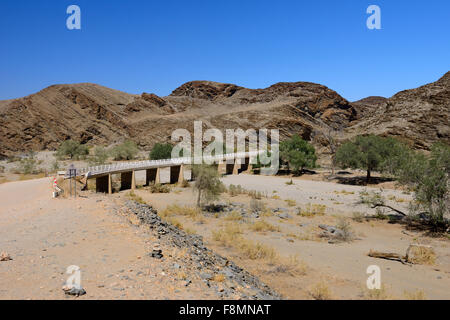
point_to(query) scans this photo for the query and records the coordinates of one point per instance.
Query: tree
(207, 183)
(298, 153)
(161, 151)
(99, 156)
(73, 149)
(428, 177)
(125, 151)
(370, 153)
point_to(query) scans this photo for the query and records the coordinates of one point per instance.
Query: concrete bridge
(231, 163)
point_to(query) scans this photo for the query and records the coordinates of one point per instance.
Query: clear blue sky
(155, 46)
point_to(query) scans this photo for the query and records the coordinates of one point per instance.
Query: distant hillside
(95, 115)
(418, 116)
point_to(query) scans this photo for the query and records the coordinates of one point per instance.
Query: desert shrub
(256, 205)
(127, 150)
(159, 188)
(298, 153)
(98, 156)
(207, 183)
(346, 231)
(161, 151)
(72, 149)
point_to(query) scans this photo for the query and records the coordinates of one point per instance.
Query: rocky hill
(418, 116)
(95, 115)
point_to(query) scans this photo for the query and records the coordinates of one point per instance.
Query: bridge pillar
(236, 166)
(126, 180)
(176, 174)
(109, 183)
(229, 168)
(245, 166)
(222, 167)
(152, 175)
(101, 184)
(133, 180)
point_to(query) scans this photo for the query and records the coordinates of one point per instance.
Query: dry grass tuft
(231, 236)
(320, 291)
(133, 196)
(422, 255)
(377, 294)
(290, 202)
(219, 277)
(291, 266)
(416, 295)
(312, 210)
(263, 226)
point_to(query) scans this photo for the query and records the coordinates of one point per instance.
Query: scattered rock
(5, 256)
(200, 257)
(284, 215)
(73, 291)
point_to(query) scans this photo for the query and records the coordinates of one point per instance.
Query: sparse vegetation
(231, 236)
(127, 150)
(207, 183)
(133, 196)
(72, 149)
(312, 210)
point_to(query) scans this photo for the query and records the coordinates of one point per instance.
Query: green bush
(161, 151)
(72, 149)
(298, 153)
(125, 151)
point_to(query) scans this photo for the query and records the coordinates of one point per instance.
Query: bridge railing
(95, 170)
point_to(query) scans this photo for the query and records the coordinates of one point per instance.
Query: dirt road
(44, 236)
